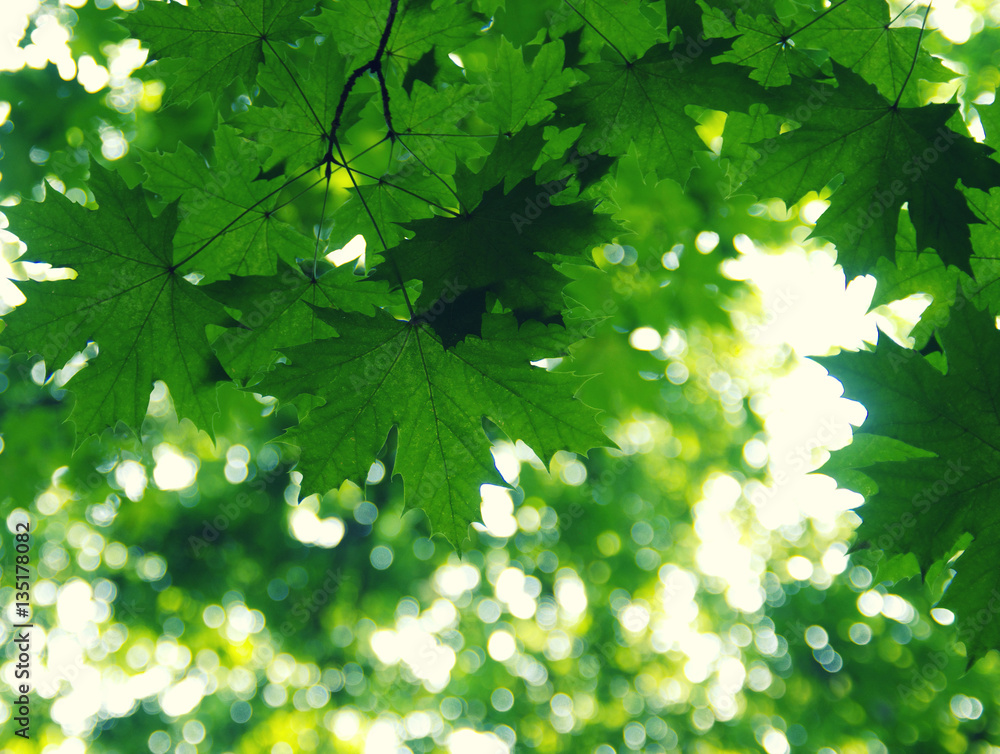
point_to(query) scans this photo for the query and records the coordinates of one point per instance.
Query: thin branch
(385, 99)
(375, 66)
(916, 52)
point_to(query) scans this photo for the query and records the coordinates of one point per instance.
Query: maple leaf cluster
(478, 189)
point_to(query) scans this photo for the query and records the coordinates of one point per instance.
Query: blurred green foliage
(641, 599)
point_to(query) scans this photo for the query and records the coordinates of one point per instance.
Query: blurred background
(691, 591)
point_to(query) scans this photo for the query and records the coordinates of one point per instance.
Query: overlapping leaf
(887, 156)
(520, 21)
(761, 42)
(429, 124)
(863, 36)
(520, 95)
(227, 215)
(277, 311)
(503, 247)
(742, 132)
(627, 27)
(643, 103)
(858, 34)
(375, 210)
(148, 321)
(915, 272)
(305, 85)
(419, 26)
(205, 46)
(382, 373)
(985, 288)
(925, 505)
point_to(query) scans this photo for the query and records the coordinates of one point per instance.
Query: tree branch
(372, 66)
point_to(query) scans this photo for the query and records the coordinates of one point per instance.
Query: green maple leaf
(989, 118)
(384, 209)
(277, 311)
(504, 246)
(306, 84)
(424, 153)
(520, 21)
(926, 505)
(684, 19)
(148, 321)
(887, 155)
(643, 103)
(409, 190)
(521, 95)
(429, 121)
(860, 35)
(376, 211)
(740, 132)
(915, 272)
(631, 28)
(419, 26)
(382, 373)
(760, 42)
(984, 289)
(511, 161)
(228, 223)
(208, 45)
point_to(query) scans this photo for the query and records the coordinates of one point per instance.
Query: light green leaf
(382, 373)
(148, 321)
(208, 44)
(644, 103)
(227, 224)
(520, 95)
(887, 156)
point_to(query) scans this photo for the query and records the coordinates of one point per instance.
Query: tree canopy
(285, 271)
